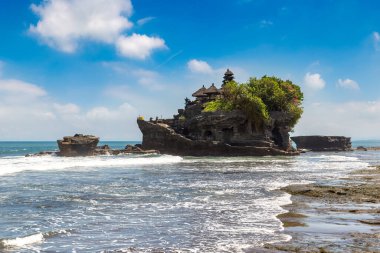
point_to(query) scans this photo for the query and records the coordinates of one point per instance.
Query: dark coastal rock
(368, 193)
(323, 143)
(371, 222)
(78, 145)
(129, 149)
(162, 137)
(42, 153)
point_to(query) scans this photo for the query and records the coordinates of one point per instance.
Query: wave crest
(10, 165)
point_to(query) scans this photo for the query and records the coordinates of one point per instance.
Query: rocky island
(323, 143)
(249, 119)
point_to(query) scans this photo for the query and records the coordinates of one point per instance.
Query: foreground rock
(342, 217)
(323, 143)
(194, 132)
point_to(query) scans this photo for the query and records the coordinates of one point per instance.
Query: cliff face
(162, 137)
(323, 143)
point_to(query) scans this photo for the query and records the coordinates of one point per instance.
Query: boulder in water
(78, 145)
(323, 143)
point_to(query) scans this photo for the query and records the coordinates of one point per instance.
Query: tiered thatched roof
(200, 92)
(212, 90)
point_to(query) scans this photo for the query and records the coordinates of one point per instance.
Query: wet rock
(103, 150)
(78, 145)
(323, 143)
(354, 193)
(42, 153)
(333, 213)
(371, 222)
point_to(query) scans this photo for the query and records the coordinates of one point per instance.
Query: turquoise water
(16, 148)
(366, 143)
(150, 203)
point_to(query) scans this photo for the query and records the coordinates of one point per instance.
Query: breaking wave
(11, 165)
(21, 242)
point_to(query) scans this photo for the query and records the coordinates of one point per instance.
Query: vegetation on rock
(258, 97)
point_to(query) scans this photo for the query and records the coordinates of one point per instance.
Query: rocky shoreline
(336, 216)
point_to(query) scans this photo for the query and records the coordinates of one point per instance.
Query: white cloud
(265, 23)
(143, 21)
(20, 88)
(348, 84)
(30, 113)
(314, 81)
(149, 79)
(101, 112)
(1, 67)
(357, 119)
(64, 23)
(69, 108)
(138, 46)
(376, 40)
(198, 66)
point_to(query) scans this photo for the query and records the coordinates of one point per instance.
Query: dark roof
(211, 90)
(228, 72)
(200, 92)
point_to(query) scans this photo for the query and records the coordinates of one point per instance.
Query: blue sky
(93, 66)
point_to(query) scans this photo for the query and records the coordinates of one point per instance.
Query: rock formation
(78, 145)
(197, 133)
(323, 143)
(162, 137)
(86, 145)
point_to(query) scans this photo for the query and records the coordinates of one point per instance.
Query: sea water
(151, 203)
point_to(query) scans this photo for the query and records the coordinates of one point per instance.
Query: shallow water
(152, 202)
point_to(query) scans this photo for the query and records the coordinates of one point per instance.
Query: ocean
(152, 203)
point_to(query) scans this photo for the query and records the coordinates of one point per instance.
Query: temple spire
(228, 77)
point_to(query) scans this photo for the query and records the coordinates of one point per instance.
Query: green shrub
(258, 97)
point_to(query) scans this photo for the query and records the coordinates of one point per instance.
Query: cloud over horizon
(357, 119)
(314, 81)
(348, 84)
(376, 40)
(19, 89)
(31, 113)
(198, 66)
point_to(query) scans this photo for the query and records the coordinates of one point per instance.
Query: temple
(195, 132)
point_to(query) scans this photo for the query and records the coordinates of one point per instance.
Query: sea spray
(21, 241)
(11, 165)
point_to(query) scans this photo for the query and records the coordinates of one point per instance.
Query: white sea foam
(10, 165)
(336, 158)
(21, 241)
